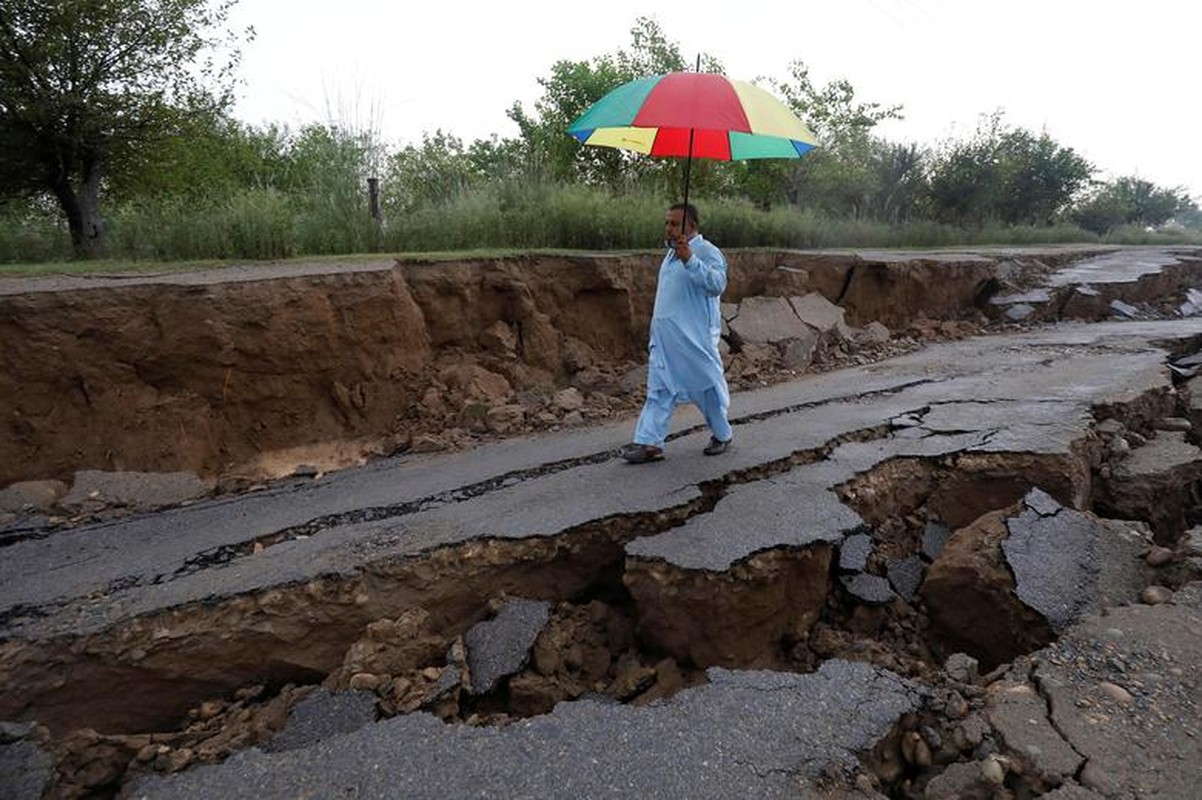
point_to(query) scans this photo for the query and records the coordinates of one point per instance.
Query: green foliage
(87, 85)
(1132, 201)
(842, 175)
(1004, 174)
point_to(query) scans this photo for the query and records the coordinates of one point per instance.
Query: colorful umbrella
(694, 115)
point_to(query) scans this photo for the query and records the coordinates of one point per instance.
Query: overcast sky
(1119, 83)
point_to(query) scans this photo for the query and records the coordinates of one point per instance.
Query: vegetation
(90, 89)
(117, 144)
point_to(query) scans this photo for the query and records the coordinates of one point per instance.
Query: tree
(88, 86)
(1038, 178)
(840, 175)
(1131, 201)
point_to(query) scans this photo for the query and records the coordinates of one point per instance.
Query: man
(683, 362)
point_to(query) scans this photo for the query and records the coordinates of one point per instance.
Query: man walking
(683, 362)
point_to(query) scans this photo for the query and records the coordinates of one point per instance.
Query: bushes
(265, 223)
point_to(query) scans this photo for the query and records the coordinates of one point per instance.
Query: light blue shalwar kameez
(683, 362)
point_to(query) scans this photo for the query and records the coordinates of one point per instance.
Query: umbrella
(694, 115)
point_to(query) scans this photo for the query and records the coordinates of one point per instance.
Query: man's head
(680, 219)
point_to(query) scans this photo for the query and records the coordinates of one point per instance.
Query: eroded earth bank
(328, 531)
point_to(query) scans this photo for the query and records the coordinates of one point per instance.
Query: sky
(1118, 83)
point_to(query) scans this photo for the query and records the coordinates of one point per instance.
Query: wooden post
(373, 198)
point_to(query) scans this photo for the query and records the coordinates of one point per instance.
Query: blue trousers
(652, 427)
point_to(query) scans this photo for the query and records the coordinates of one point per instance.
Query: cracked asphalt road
(744, 734)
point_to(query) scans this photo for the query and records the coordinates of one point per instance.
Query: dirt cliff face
(217, 375)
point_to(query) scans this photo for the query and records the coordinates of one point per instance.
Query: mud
(240, 381)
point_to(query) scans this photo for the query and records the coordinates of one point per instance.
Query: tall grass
(264, 223)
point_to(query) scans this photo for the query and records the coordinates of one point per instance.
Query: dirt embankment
(249, 376)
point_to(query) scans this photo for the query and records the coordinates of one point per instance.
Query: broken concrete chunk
(934, 537)
(821, 314)
(905, 576)
(134, 489)
(1020, 716)
(31, 496)
(26, 771)
(1124, 309)
(1022, 298)
(1020, 312)
(854, 552)
(1054, 560)
(797, 353)
(962, 667)
(322, 715)
(1153, 483)
(768, 319)
(1041, 502)
(499, 647)
(869, 588)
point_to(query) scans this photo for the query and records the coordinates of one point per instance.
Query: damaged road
(904, 580)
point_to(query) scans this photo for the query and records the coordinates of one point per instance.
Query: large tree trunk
(82, 209)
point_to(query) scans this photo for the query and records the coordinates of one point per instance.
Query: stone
(476, 382)
(576, 355)
(962, 667)
(499, 338)
(569, 399)
(365, 681)
(875, 332)
(1155, 595)
(505, 418)
(1191, 542)
(1116, 693)
(992, 772)
(854, 552)
(1172, 424)
(1158, 556)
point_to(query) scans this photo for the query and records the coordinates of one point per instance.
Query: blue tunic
(686, 325)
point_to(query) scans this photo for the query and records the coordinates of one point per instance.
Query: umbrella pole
(688, 163)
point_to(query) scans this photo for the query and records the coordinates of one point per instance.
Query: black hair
(690, 212)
